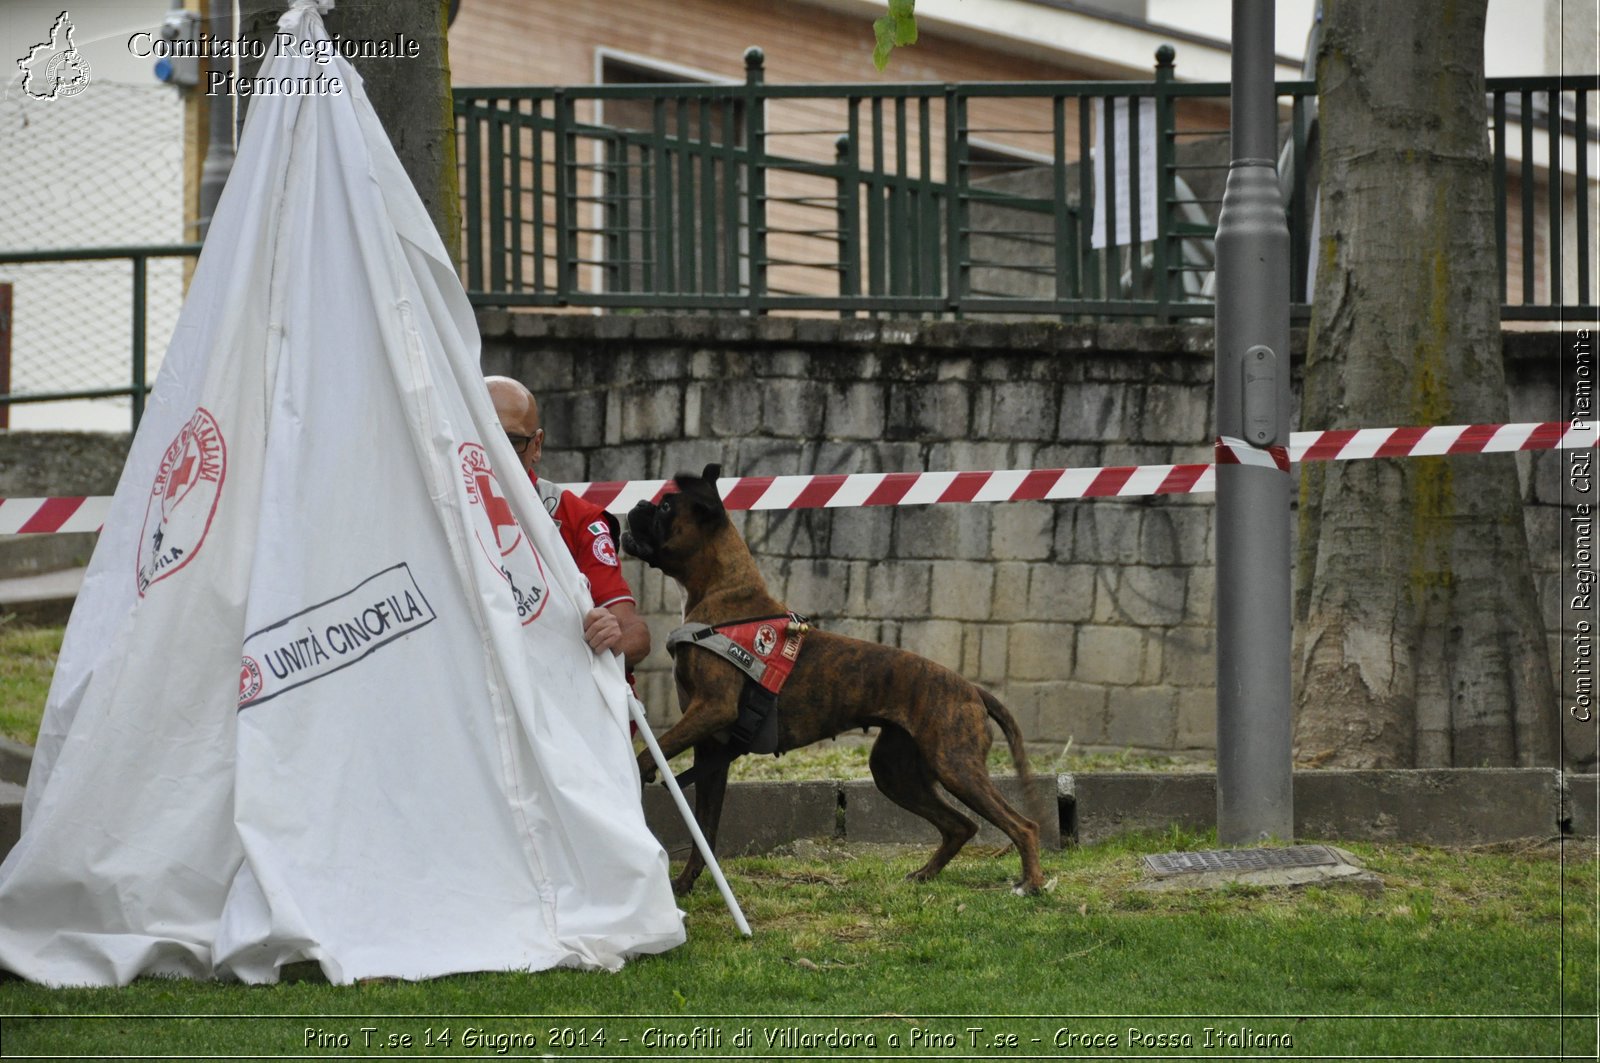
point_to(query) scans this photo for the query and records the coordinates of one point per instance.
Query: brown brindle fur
(933, 724)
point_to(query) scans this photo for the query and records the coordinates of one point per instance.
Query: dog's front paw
(647, 768)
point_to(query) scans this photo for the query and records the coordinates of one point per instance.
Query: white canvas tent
(324, 695)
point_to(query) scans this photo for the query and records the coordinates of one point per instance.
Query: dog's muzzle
(642, 537)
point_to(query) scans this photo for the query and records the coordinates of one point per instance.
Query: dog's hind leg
(904, 778)
(966, 776)
(710, 787)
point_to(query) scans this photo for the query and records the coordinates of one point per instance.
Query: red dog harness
(764, 649)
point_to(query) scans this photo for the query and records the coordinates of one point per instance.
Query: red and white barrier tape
(834, 491)
(1018, 485)
(21, 516)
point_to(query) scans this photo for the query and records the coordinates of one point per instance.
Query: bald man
(590, 532)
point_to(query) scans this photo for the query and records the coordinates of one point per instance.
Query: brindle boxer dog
(933, 724)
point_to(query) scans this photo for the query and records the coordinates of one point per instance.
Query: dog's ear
(702, 490)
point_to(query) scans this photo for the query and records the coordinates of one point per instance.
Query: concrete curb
(42, 597)
(1101, 805)
(10, 816)
(1449, 807)
(871, 817)
(757, 817)
(1580, 811)
(1430, 806)
(1457, 806)
(15, 761)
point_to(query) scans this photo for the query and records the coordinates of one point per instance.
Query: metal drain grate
(1242, 860)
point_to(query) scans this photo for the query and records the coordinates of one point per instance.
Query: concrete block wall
(46, 464)
(1091, 619)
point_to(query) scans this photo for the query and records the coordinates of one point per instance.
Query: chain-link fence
(101, 168)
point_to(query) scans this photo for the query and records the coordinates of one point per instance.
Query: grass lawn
(1489, 953)
(27, 660)
(1461, 954)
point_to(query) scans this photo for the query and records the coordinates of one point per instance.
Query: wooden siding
(541, 42)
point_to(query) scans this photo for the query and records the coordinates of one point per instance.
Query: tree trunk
(411, 96)
(1418, 637)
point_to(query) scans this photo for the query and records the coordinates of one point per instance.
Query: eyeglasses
(520, 443)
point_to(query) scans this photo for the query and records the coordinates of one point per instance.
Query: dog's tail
(1019, 752)
(1002, 716)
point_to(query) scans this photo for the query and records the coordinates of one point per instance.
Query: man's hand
(618, 627)
(601, 630)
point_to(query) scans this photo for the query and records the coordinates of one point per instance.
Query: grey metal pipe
(219, 125)
(1255, 783)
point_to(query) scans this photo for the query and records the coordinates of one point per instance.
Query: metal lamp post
(1255, 795)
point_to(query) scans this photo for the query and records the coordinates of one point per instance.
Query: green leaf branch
(896, 29)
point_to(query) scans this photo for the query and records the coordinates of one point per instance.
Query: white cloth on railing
(1114, 113)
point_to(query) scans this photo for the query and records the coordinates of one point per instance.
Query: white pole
(636, 710)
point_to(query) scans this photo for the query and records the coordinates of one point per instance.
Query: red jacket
(591, 537)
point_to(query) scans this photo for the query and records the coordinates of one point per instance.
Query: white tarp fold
(325, 693)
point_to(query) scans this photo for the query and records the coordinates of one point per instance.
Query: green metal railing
(704, 202)
(931, 199)
(138, 258)
(1555, 278)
